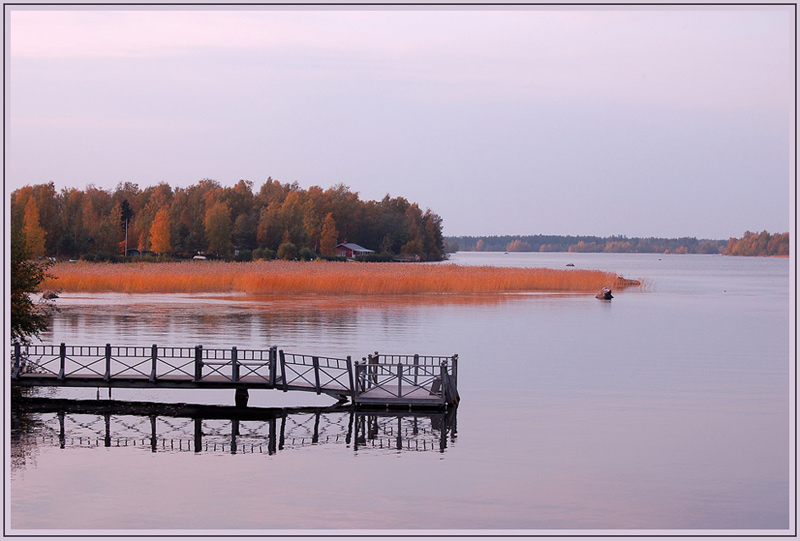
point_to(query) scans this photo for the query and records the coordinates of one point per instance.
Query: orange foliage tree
(159, 233)
(34, 234)
(328, 237)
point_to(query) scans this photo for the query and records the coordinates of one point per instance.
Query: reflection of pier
(389, 380)
(220, 429)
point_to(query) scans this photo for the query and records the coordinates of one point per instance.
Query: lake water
(669, 408)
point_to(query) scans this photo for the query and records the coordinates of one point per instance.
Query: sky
(641, 121)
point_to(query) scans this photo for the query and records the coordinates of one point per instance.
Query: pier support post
(198, 363)
(241, 397)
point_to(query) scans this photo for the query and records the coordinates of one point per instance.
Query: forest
(561, 243)
(759, 244)
(232, 223)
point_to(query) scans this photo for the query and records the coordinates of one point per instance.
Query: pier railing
(317, 373)
(153, 363)
(377, 379)
(407, 378)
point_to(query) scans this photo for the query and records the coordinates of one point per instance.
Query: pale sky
(668, 122)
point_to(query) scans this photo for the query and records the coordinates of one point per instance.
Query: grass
(322, 277)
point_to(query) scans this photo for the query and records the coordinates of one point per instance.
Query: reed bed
(322, 277)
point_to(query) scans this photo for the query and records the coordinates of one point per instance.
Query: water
(667, 408)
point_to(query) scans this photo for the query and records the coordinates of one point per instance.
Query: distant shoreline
(750, 244)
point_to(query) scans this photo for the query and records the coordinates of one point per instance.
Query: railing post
(373, 369)
(359, 375)
(443, 375)
(273, 362)
(63, 359)
(198, 362)
(283, 371)
(315, 363)
(416, 368)
(399, 380)
(234, 365)
(352, 379)
(17, 360)
(154, 360)
(107, 375)
(455, 370)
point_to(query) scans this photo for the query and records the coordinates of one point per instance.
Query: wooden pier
(405, 381)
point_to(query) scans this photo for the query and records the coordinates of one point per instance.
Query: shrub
(382, 257)
(244, 255)
(263, 253)
(287, 250)
(306, 254)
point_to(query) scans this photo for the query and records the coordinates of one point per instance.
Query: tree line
(277, 220)
(567, 243)
(759, 244)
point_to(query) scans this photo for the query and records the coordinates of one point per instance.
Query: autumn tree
(245, 228)
(218, 229)
(160, 233)
(328, 237)
(33, 233)
(269, 232)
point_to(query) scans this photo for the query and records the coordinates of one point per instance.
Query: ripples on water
(667, 408)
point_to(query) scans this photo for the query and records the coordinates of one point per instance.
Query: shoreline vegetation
(323, 277)
(751, 244)
(277, 220)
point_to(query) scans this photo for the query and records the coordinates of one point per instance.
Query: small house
(351, 250)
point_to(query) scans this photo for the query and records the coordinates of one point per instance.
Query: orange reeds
(322, 277)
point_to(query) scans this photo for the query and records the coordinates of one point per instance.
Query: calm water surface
(667, 408)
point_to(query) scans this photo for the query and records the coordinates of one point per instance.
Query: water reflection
(159, 428)
(325, 325)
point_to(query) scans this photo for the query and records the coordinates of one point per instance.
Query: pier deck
(376, 380)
